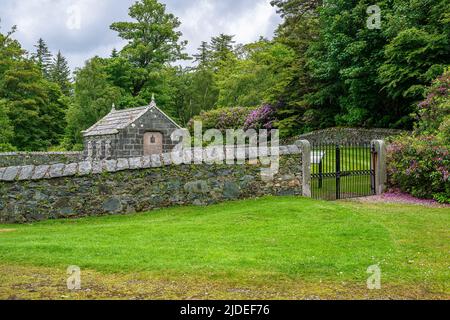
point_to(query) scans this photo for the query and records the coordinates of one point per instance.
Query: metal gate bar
(342, 171)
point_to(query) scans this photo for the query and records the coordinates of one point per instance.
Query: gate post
(379, 165)
(338, 172)
(305, 147)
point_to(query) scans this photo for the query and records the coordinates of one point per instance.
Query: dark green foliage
(34, 106)
(43, 58)
(152, 42)
(348, 74)
(261, 76)
(6, 129)
(221, 48)
(60, 73)
(93, 98)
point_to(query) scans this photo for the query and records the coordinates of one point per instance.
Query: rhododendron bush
(222, 119)
(420, 166)
(261, 118)
(420, 163)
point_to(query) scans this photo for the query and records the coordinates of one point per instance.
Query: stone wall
(38, 158)
(35, 193)
(345, 135)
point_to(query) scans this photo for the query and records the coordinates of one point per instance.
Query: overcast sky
(80, 28)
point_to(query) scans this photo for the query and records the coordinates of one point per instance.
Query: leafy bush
(435, 109)
(6, 147)
(420, 165)
(261, 118)
(222, 119)
(444, 130)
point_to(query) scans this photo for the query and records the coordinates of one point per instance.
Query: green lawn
(269, 240)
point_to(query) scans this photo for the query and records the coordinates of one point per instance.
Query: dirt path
(17, 283)
(397, 197)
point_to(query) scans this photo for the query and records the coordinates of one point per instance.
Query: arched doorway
(153, 143)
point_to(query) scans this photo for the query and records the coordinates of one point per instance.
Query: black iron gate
(342, 171)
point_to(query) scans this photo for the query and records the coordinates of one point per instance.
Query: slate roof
(117, 120)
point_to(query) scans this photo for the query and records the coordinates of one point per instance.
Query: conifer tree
(60, 73)
(43, 57)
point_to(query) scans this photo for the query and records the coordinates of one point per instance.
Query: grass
(269, 241)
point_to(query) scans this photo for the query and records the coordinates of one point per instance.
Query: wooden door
(153, 143)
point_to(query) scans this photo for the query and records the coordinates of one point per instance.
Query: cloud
(80, 28)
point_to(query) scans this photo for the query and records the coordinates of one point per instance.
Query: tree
(152, 37)
(195, 91)
(43, 58)
(142, 68)
(114, 53)
(418, 49)
(6, 129)
(222, 48)
(375, 77)
(35, 107)
(203, 57)
(93, 98)
(60, 73)
(261, 77)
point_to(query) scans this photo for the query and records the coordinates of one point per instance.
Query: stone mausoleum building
(130, 133)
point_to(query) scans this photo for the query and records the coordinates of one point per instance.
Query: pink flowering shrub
(222, 119)
(261, 118)
(420, 166)
(435, 109)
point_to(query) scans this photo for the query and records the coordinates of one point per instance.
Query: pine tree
(203, 57)
(60, 73)
(222, 46)
(114, 53)
(43, 57)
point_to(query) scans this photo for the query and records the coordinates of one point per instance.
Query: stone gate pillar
(379, 164)
(305, 148)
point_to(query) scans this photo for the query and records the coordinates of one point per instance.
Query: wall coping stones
(70, 169)
(97, 167)
(83, 168)
(135, 163)
(146, 162)
(110, 165)
(40, 172)
(156, 161)
(10, 173)
(56, 170)
(122, 164)
(26, 173)
(166, 159)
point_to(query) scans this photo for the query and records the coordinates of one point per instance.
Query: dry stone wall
(38, 158)
(66, 190)
(346, 135)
